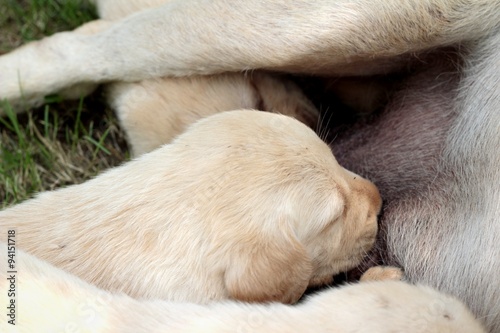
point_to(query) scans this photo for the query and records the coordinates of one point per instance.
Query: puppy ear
(274, 268)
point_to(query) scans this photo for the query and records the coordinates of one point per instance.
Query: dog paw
(382, 273)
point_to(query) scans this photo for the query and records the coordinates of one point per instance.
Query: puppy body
(249, 205)
(52, 301)
(153, 112)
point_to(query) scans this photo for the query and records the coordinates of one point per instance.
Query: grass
(61, 142)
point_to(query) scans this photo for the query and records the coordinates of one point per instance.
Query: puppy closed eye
(335, 208)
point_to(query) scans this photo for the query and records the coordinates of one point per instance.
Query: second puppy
(244, 205)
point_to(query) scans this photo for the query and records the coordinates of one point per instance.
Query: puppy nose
(373, 195)
(366, 189)
(368, 193)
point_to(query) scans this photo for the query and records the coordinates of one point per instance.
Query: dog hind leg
(181, 38)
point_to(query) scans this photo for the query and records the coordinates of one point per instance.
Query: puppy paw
(382, 273)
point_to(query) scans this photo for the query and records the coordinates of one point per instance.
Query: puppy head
(334, 215)
(280, 206)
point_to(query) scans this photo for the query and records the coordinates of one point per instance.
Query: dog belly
(399, 150)
(428, 226)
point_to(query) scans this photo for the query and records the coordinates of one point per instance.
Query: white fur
(51, 300)
(187, 40)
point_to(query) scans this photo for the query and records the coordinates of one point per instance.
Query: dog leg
(83, 89)
(39, 52)
(467, 252)
(454, 230)
(116, 9)
(154, 111)
(182, 38)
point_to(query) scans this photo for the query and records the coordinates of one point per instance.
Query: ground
(61, 142)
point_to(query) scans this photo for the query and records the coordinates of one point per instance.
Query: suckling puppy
(246, 205)
(55, 301)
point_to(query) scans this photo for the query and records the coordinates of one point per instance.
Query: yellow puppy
(246, 205)
(153, 112)
(48, 299)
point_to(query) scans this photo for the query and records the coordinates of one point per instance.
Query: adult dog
(433, 152)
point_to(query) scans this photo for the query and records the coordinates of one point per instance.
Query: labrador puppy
(153, 112)
(245, 205)
(51, 300)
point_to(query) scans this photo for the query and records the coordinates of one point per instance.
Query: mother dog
(434, 152)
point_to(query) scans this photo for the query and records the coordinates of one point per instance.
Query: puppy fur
(153, 112)
(246, 205)
(55, 301)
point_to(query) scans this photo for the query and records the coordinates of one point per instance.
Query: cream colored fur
(247, 205)
(51, 300)
(116, 9)
(153, 112)
(187, 40)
